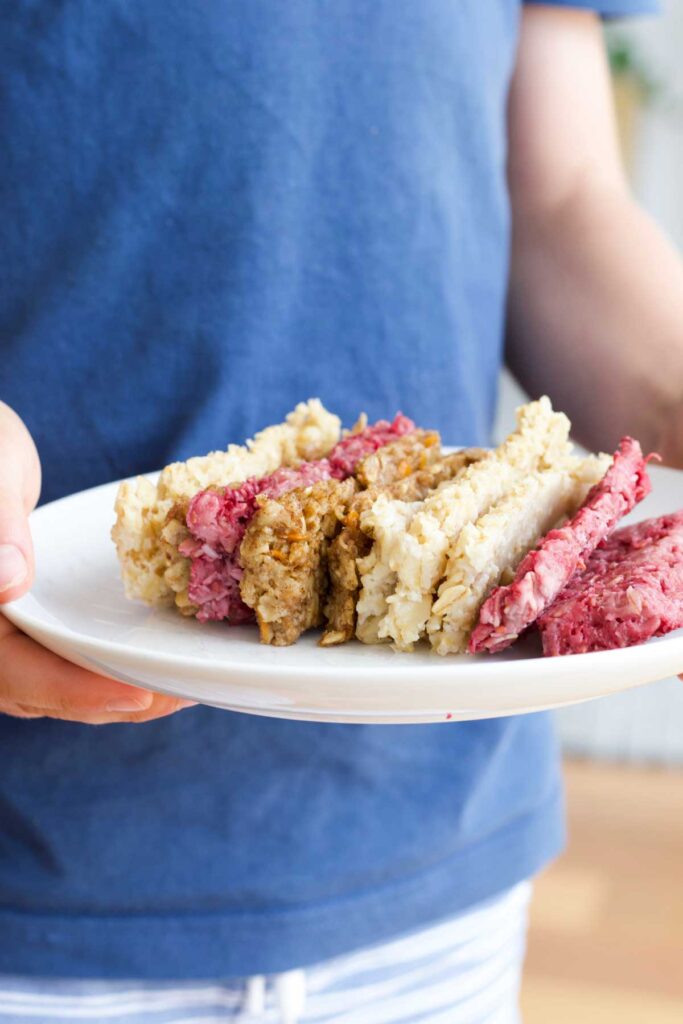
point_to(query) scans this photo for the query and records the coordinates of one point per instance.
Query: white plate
(77, 609)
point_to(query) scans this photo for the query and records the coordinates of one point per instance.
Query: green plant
(626, 61)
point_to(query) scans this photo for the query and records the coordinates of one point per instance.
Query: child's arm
(596, 295)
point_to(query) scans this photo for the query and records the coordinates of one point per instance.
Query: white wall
(658, 172)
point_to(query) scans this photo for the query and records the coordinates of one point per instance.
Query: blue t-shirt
(211, 211)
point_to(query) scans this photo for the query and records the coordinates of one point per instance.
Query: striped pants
(466, 970)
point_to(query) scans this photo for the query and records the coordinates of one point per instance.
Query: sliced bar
(285, 551)
(546, 570)
(352, 543)
(217, 519)
(151, 567)
(414, 541)
(494, 544)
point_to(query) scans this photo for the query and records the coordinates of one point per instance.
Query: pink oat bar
(218, 519)
(630, 591)
(547, 569)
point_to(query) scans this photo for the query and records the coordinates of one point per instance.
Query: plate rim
(441, 664)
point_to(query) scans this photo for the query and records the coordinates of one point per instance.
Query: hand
(34, 683)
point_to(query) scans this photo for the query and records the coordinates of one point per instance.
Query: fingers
(19, 490)
(161, 707)
(34, 682)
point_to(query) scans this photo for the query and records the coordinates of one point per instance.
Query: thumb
(16, 548)
(19, 487)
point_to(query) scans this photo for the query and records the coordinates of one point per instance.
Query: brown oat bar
(349, 545)
(283, 556)
(417, 450)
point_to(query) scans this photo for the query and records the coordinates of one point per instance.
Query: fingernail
(13, 567)
(130, 703)
(182, 704)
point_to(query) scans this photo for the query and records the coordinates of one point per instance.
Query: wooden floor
(606, 941)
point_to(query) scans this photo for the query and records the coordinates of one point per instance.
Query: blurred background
(606, 942)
